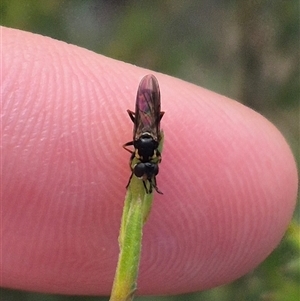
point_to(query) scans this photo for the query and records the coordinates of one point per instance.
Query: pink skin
(228, 176)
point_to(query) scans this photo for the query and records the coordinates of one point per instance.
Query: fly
(145, 158)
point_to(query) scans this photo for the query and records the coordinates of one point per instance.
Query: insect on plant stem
(145, 157)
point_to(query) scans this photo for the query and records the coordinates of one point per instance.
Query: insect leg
(155, 185)
(128, 144)
(161, 115)
(147, 191)
(132, 115)
(129, 180)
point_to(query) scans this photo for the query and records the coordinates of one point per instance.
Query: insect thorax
(146, 147)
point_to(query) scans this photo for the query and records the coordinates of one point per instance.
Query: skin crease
(228, 176)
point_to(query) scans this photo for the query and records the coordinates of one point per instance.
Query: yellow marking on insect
(137, 154)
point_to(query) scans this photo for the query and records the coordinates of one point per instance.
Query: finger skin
(228, 176)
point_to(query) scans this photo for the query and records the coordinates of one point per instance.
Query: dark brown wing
(147, 108)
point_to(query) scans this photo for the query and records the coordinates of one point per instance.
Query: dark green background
(247, 50)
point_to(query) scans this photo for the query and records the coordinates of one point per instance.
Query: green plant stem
(136, 210)
(130, 239)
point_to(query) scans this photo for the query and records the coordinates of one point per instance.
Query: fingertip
(228, 176)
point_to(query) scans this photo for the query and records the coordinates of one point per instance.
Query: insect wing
(147, 110)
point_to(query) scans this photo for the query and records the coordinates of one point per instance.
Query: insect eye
(139, 170)
(155, 169)
(151, 169)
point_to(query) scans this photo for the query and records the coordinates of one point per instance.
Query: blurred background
(246, 50)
